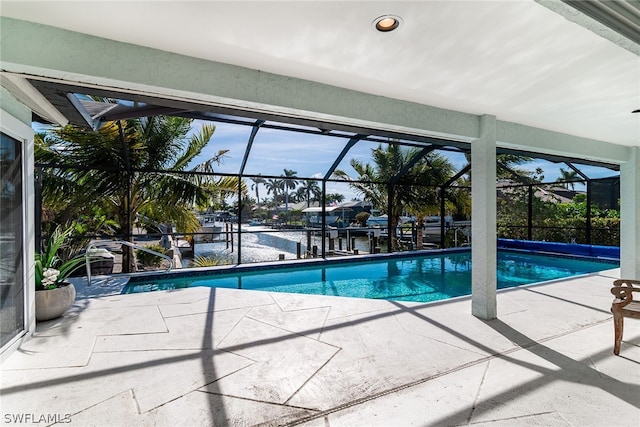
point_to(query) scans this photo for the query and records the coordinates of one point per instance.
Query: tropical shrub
(51, 270)
(146, 259)
(208, 261)
(362, 217)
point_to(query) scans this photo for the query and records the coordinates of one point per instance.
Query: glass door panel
(12, 287)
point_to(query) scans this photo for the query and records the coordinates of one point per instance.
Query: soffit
(517, 60)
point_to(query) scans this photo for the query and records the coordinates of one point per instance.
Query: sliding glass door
(12, 286)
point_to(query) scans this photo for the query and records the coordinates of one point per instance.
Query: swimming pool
(420, 279)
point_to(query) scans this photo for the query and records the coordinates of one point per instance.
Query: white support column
(630, 216)
(483, 216)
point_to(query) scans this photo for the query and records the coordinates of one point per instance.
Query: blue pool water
(421, 279)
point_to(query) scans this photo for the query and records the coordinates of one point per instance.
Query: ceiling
(517, 60)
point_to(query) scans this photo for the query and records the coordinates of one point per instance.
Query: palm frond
(198, 141)
(208, 165)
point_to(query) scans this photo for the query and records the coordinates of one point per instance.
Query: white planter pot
(52, 303)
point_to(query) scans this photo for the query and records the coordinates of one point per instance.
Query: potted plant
(54, 295)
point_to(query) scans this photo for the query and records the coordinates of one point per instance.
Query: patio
(204, 356)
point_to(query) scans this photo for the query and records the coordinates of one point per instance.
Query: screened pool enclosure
(222, 186)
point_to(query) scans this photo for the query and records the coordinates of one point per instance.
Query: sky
(311, 156)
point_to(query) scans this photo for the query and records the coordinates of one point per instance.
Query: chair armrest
(623, 290)
(629, 282)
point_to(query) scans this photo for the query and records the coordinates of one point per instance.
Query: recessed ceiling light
(386, 23)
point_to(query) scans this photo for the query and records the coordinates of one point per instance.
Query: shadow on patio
(228, 357)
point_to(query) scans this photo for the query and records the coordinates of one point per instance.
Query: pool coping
(272, 265)
(356, 259)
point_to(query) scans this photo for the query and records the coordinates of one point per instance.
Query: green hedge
(604, 231)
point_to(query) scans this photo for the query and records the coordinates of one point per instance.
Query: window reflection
(11, 258)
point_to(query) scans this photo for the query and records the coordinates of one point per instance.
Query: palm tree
(413, 190)
(309, 189)
(459, 197)
(513, 162)
(288, 184)
(300, 195)
(565, 176)
(135, 167)
(274, 186)
(367, 183)
(334, 197)
(422, 200)
(256, 183)
(509, 168)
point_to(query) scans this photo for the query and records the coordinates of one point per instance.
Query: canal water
(265, 244)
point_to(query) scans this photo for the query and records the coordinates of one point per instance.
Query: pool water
(420, 279)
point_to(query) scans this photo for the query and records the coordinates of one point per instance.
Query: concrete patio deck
(227, 357)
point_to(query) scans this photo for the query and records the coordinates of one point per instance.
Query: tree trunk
(419, 242)
(286, 206)
(128, 253)
(395, 220)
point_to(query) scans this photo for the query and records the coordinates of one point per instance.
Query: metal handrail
(122, 242)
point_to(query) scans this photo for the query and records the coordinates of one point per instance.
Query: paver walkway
(228, 357)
